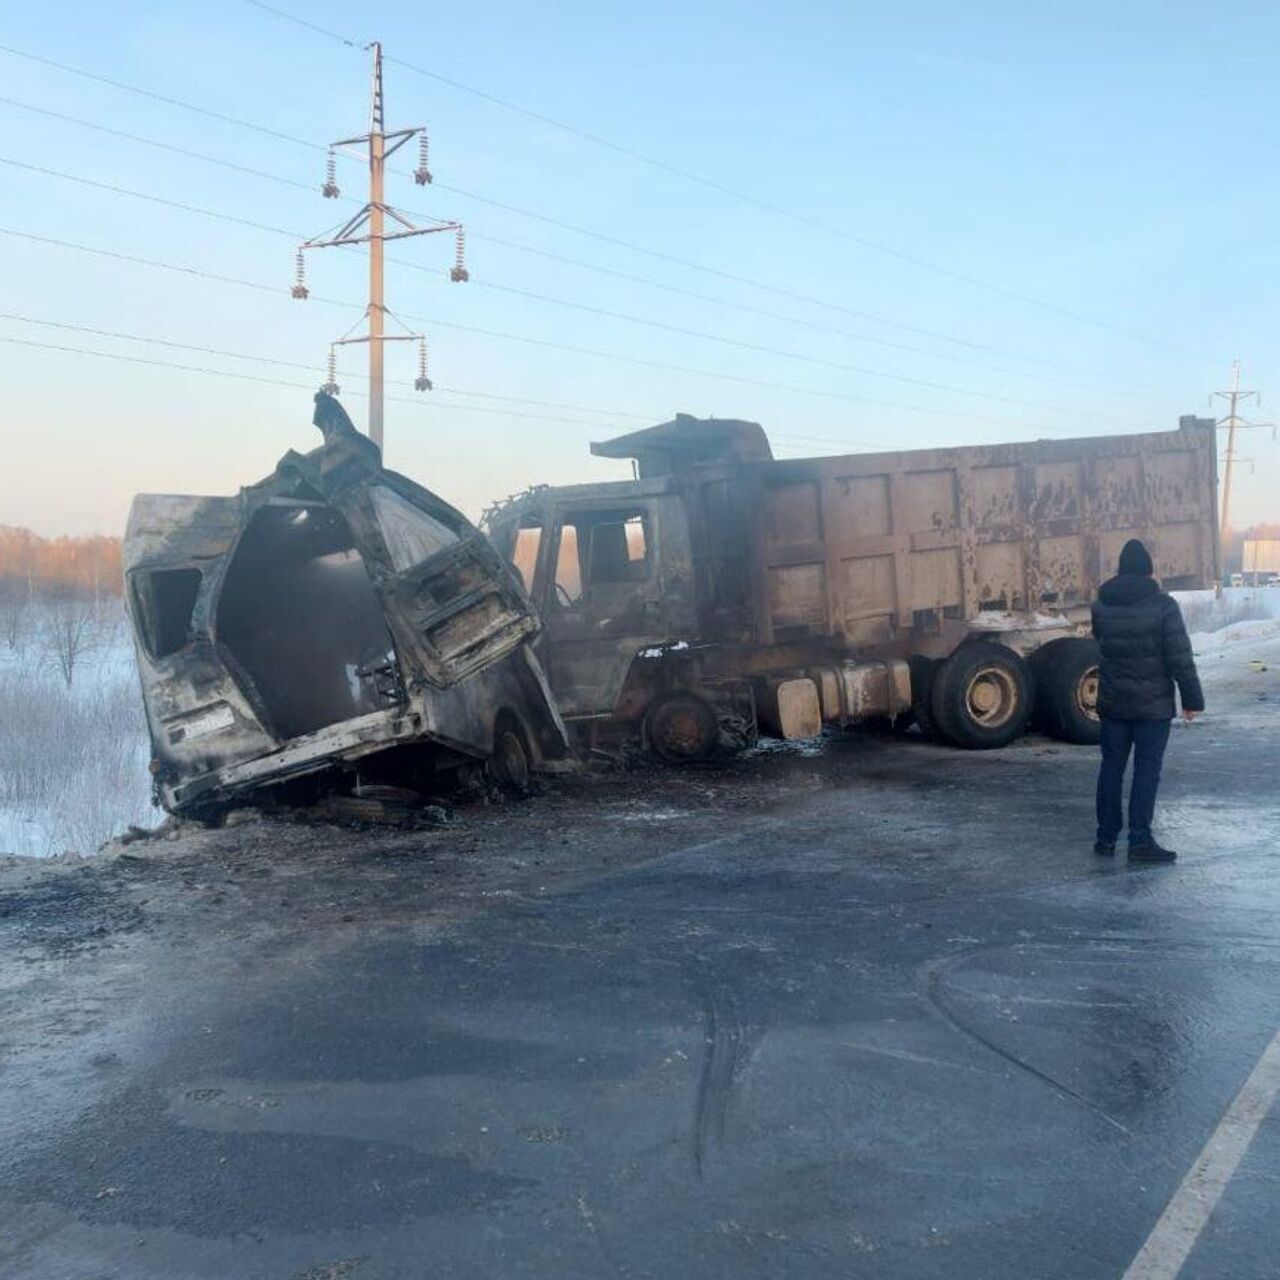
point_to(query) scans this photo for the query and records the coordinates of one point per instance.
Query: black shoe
(1107, 848)
(1151, 852)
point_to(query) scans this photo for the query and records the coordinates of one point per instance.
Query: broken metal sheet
(328, 613)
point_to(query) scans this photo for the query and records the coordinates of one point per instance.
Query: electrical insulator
(422, 175)
(330, 189)
(299, 289)
(459, 272)
(330, 387)
(422, 382)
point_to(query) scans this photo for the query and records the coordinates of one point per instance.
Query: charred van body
(335, 620)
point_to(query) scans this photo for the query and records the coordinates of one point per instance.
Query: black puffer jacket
(1145, 651)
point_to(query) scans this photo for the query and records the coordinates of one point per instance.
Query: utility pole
(368, 226)
(1233, 422)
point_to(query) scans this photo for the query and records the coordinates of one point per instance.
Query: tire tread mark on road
(719, 1067)
(935, 973)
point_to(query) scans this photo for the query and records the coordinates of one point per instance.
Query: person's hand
(1189, 716)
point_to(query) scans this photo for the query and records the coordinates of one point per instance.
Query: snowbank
(73, 757)
(1235, 633)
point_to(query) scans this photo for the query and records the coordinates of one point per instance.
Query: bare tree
(68, 632)
(14, 601)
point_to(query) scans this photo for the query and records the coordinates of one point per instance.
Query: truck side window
(601, 549)
(524, 553)
(619, 549)
(568, 567)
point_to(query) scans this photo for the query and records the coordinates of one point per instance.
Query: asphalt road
(876, 1011)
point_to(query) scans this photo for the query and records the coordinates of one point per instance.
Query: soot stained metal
(948, 585)
(335, 622)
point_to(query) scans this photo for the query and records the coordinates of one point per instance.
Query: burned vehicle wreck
(723, 590)
(333, 626)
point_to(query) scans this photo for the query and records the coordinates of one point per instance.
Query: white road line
(1174, 1236)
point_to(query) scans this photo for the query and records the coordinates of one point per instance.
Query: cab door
(609, 585)
(454, 606)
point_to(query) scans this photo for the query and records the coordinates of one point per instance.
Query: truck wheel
(509, 765)
(681, 729)
(1066, 676)
(981, 696)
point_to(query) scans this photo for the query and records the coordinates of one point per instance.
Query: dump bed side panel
(875, 548)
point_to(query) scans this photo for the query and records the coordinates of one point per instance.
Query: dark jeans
(1147, 739)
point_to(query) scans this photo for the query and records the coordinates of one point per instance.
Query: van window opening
(166, 600)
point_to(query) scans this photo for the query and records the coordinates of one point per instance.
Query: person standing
(1144, 652)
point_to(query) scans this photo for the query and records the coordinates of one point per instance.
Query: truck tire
(681, 729)
(509, 767)
(1066, 678)
(981, 696)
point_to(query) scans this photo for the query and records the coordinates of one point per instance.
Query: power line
(96, 125)
(293, 364)
(572, 228)
(861, 370)
(296, 364)
(302, 386)
(250, 377)
(204, 157)
(712, 184)
(116, 189)
(788, 355)
(161, 97)
(526, 339)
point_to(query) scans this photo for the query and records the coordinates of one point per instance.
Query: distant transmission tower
(369, 226)
(1233, 423)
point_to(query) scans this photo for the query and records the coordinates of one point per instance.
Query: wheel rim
(680, 731)
(991, 697)
(1087, 693)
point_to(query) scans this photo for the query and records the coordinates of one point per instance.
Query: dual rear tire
(984, 695)
(1066, 680)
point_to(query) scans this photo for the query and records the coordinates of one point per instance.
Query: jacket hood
(1128, 588)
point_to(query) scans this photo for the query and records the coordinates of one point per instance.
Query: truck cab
(649, 622)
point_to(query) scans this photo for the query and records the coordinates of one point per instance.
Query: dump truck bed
(879, 548)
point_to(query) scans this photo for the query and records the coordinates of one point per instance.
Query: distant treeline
(36, 566)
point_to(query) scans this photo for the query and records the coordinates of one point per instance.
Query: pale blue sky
(1115, 162)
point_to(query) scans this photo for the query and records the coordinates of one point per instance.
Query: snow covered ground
(1238, 616)
(73, 758)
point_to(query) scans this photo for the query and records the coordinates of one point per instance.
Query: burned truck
(335, 626)
(724, 590)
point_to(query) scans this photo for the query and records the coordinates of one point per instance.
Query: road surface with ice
(872, 1011)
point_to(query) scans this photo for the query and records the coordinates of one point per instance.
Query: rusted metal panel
(951, 533)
